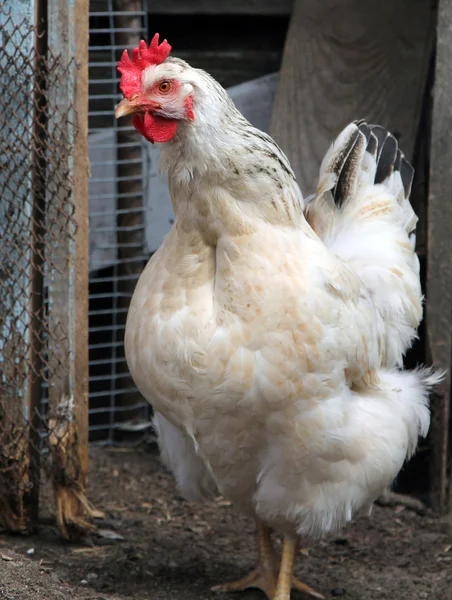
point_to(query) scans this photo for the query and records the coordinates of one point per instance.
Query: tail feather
(387, 159)
(381, 134)
(407, 174)
(363, 214)
(336, 158)
(348, 179)
(372, 146)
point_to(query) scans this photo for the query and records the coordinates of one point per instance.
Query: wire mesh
(38, 438)
(118, 413)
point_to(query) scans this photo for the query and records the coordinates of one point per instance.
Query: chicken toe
(264, 576)
(305, 588)
(286, 579)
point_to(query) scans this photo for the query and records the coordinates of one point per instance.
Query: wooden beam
(439, 258)
(211, 7)
(67, 255)
(349, 59)
(81, 246)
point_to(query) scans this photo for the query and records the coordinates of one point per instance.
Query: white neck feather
(221, 159)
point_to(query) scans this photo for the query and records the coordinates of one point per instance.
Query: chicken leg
(286, 579)
(265, 575)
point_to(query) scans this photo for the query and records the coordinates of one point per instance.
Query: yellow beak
(133, 105)
(126, 107)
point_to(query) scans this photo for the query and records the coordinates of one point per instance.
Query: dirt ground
(170, 549)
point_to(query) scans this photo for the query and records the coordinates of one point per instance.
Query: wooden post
(439, 259)
(345, 60)
(67, 247)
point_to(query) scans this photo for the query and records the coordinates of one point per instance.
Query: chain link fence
(39, 432)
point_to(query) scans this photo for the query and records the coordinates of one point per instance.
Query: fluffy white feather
(271, 344)
(367, 438)
(179, 455)
(373, 231)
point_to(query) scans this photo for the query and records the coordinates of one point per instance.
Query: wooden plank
(439, 257)
(81, 245)
(212, 7)
(18, 380)
(67, 255)
(348, 59)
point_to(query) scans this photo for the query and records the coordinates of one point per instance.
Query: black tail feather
(381, 134)
(382, 146)
(340, 165)
(407, 174)
(349, 170)
(387, 159)
(372, 145)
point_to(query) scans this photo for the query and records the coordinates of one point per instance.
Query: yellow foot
(305, 588)
(265, 578)
(276, 582)
(262, 577)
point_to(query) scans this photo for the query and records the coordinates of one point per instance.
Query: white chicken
(269, 335)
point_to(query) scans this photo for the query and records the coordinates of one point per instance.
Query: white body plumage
(268, 336)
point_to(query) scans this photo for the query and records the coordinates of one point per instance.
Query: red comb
(142, 57)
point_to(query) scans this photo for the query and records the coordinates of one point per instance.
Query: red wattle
(189, 108)
(155, 128)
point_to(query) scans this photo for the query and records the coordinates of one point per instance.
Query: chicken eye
(164, 87)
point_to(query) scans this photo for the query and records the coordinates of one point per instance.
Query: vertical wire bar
(114, 78)
(115, 260)
(130, 232)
